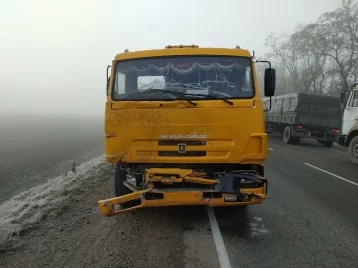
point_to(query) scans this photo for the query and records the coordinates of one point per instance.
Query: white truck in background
(349, 131)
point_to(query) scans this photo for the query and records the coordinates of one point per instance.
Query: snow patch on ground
(258, 227)
(29, 207)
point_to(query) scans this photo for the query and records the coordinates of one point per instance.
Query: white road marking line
(334, 175)
(271, 149)
(219, 243)
(335, 151)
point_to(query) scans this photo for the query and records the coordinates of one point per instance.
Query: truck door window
(247, 81)
(355, 99)
(120, 84)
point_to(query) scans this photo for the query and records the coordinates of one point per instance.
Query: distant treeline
(321, 57)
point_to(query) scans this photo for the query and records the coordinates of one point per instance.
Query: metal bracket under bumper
(237, 188)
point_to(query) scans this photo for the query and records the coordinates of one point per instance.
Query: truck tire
(287, 137)
(120, 177)
(353, 150)
(327, 144)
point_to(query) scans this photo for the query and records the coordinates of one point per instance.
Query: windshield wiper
(204, 95)
(226, 100)
(215, 97)
(175, 93)
(223, 99)
(154, 90)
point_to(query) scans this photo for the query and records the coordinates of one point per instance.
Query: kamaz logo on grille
(183, 136)
(182, 148)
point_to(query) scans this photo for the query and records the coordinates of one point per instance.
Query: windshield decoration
(182, 69)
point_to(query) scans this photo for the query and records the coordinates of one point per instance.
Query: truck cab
(185, 126)
(349, 136)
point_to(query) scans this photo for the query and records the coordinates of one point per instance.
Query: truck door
(350, 115)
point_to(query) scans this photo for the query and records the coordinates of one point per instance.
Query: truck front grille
(186, 154)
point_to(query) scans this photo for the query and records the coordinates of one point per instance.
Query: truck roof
(182, 50)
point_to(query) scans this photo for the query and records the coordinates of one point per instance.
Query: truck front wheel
(119, 178)
(353, 150)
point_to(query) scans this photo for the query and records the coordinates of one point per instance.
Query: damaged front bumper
(228, 189)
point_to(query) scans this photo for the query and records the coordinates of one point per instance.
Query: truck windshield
(196, 78)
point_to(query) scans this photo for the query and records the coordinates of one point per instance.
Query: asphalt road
(310, 219)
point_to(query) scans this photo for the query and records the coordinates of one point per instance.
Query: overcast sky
(53, 54)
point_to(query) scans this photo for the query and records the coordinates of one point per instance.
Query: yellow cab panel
(148, 127)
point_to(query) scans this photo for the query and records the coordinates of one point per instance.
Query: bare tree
(321, 57)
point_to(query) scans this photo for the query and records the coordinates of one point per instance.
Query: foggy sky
(53, 54)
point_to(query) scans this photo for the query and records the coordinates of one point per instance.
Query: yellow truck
(184, 126)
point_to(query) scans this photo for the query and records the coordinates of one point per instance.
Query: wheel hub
(355, 150)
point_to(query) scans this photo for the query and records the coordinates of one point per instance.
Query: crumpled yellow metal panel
(176, 197)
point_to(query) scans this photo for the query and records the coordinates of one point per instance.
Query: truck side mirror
(108, 78)
(270, 82)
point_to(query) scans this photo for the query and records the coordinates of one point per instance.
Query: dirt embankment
(70, 232)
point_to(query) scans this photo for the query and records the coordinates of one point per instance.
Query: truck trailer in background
(349, 132)
(304, 115)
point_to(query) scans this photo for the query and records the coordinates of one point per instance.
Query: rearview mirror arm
(265, 61)
(109, 66)
(269, 107)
